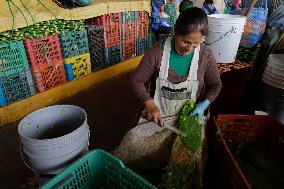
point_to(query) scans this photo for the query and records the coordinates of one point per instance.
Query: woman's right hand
(152, 112)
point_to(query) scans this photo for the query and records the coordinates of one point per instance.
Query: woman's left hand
(200, 108)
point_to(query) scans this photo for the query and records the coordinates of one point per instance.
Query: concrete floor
(111, 112)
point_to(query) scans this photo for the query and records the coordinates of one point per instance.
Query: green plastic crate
(98, 169)
(13, 58)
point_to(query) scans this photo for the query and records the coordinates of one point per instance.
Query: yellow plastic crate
(77, 66)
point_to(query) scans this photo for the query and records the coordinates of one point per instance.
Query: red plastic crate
(128, 32)
(142, 16)
(43, 51)
(236, 129)
(142, 29)
(128, 50)
(47, 77)
(111, 36)
(106, 20)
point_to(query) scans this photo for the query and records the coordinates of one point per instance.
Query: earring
(203, 39)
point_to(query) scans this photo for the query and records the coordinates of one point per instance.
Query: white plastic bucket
(54, 137)
(224, 36)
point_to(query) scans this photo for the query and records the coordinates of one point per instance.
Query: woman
(209, 8)
(180, 67)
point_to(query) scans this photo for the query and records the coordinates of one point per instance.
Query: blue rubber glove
(200, 108)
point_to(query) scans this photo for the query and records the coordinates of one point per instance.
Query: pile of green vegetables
(42, 29)
(191, 127)
(260, 166)
(251, 55)
(178, 177)
(183, 176)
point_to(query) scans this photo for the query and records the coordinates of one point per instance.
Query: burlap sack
(147, 146)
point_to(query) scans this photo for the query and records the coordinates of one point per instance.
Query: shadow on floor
(111, 111)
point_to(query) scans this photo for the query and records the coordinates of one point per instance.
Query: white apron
(169, 97)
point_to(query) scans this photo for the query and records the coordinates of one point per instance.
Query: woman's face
(185, 44)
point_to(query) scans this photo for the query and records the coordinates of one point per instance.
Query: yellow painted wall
(41, 13)
(20, 109)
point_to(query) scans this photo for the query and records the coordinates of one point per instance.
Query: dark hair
(185, 4)
(208, 2)
(190, 20)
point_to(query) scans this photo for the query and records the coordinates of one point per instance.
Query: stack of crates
(104, 40)
(76, 56)
(143, 41)
(15, 77)
(128, 34)
(45, 59)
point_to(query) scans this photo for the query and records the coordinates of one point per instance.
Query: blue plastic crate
(16, 87)
(69, 72)
(142, 45)
(74, 43)
(112, 55)
(128, 17)
(104, 57)
(13, 58)
(98, 169)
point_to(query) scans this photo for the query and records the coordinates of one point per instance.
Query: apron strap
(165, 63)
(192, 75)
